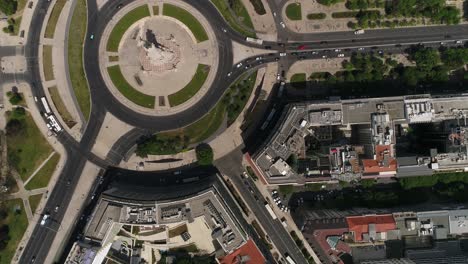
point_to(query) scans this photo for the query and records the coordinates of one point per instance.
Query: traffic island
(158, 60)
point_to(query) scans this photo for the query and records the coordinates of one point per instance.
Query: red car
(302, 47)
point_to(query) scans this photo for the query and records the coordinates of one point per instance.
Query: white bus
(54, 124)
(254, 40)
(270, 211)
(46, 105)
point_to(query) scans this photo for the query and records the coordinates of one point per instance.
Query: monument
(158, 53)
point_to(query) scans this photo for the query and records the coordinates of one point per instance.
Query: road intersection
(103, 101)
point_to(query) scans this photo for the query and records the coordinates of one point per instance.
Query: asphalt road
(231, 165)
(102, 101)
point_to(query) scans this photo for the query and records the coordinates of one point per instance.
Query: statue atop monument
(157, 53)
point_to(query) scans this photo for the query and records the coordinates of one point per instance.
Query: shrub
(258, 6)
(204, 154)
(15, 98)
(316, 16)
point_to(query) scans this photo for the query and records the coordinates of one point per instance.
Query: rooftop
(246, 254)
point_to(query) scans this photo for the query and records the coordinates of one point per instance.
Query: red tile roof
(360, 224)
(248, 249)
(376, 165)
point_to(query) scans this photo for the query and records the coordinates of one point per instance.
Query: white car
(341, 55)
(324, 56)
(282, 24)
(229, 74)
(56, 208)
(44, 219)
(337, 50)
(282, 54)
(258, 58)
(360, 49)
(359, 32)
(274, 14)
(458, 42)
(224, 30)
(274, 192)
(314, 53)
(239, 65)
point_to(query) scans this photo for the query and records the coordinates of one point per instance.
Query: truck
(46, 105)
(270, 211)
(289, 259)
(254, 40)
(281, 89)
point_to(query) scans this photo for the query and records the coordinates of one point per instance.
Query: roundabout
(200, 92)
(159, 62)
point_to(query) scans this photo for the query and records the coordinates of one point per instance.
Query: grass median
(127, 90)
(124, 23)
(53, 19)
(42, 177)
(188, 19)
(15, 223)
(61, 108)
(242, 24)
(47, 62)
(191, 88)
(75, 58)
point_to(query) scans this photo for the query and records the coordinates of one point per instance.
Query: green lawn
(54, 16)
(61, 108)
(192, 87)
(34, 201)
(17, 223)
(124, 23)
(240, 12)
(188, 19)
(47, 62)
(27, 149)
(127, 90)
(42, 177)
(298, 77)
(293, 11)
(75, 57)
(202, 128)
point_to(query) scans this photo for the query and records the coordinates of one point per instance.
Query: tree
(15, 98)
(426, 59)
(204, 154)
(14, 127)
(8, 7)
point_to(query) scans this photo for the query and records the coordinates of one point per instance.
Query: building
(245, 254)
(371, 228)
(357, 138)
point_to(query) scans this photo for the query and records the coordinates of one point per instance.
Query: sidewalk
(111, 130)
(264, 25)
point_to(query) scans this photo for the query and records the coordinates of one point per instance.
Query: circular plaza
(158, 59)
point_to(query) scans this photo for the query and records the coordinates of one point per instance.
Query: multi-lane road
(102, 101)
